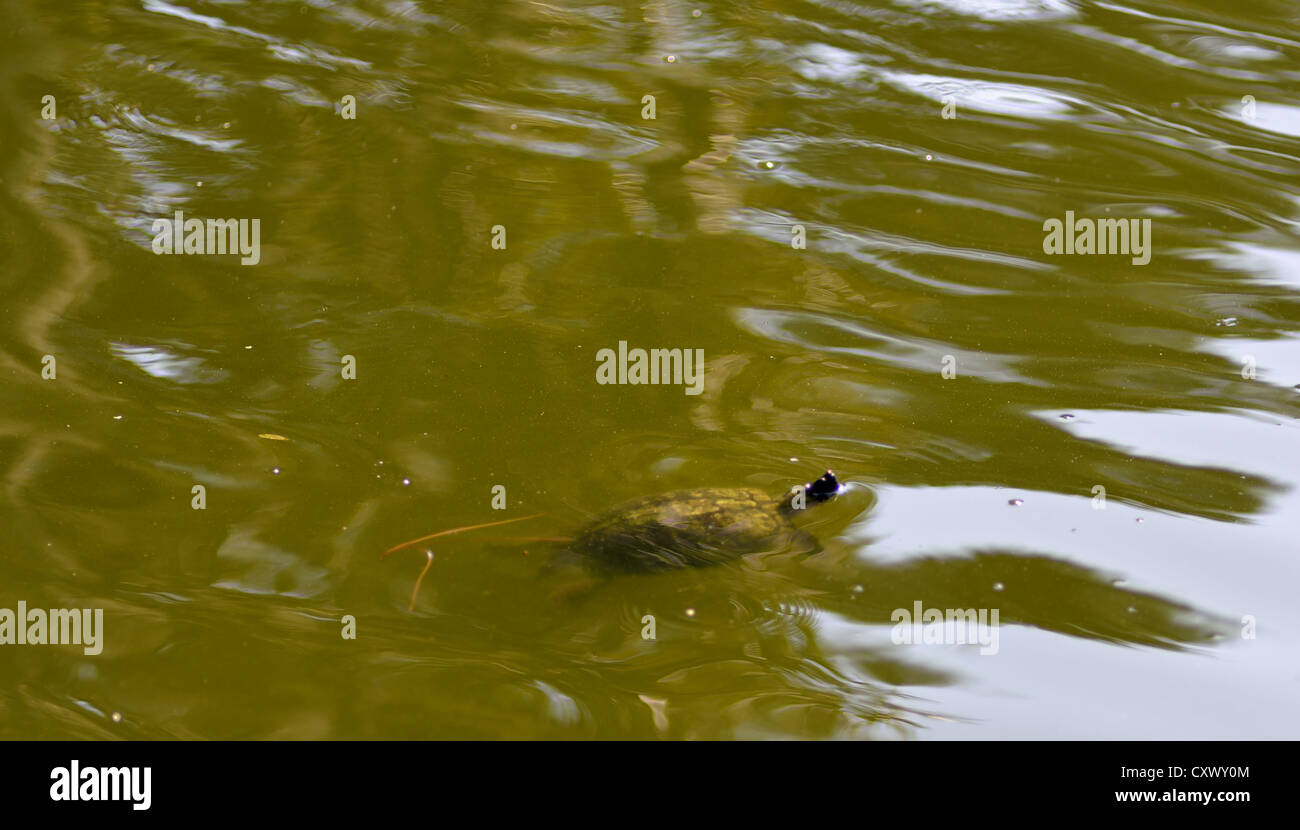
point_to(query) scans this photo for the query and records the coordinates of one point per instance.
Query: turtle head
(823, 488)
(817, 492)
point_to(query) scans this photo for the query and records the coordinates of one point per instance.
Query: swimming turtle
(684, 528)
(691, 528)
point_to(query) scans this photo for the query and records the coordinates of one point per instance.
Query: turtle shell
(683, 529)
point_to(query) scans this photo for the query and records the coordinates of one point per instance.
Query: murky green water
(975, 389)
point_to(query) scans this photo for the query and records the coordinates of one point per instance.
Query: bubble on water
(1016, 502)
(1132, 610)
(406, 482)
(696, 13)
(929, 157)
(857, 589)
(690, 612)
(117, 717)
(671, 59)
(998, 586)
(117, 417)
(796, 461)
(275, 471)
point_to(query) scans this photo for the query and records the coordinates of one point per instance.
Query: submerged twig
(416, 590)
(395, 548)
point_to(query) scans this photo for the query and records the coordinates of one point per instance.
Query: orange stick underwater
(416, 590)
(455, 530)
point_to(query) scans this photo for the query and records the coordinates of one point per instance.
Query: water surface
(1173, 385)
